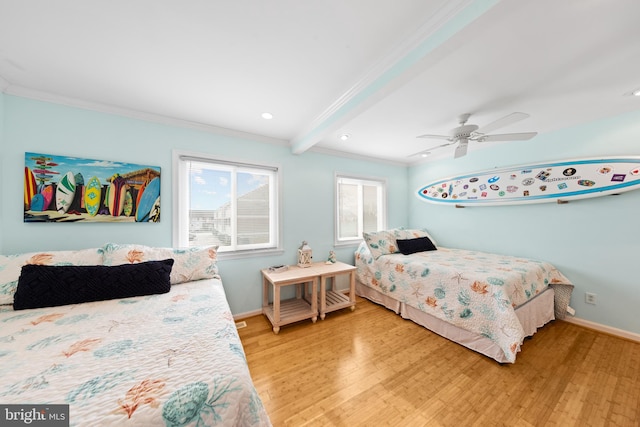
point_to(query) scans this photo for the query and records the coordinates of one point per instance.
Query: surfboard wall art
(55, 190)
(537, 183)
(29, 187)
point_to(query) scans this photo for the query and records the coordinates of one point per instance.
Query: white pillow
(381, 242)
(414, 233)
(11, 266)
(189, 264)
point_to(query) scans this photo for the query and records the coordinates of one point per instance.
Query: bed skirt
(532, 315)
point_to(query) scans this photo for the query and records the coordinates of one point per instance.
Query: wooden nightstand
(305, 304)
(331, 299)
(292, 310)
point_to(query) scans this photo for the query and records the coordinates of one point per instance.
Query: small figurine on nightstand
(332, 258)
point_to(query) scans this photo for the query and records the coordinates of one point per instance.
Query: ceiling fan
(470, 132)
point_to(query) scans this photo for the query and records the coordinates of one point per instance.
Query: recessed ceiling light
(345, 136)
(636, 92)
(427, 154)
(267, 116)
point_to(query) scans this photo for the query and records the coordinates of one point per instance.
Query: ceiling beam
(400, 66)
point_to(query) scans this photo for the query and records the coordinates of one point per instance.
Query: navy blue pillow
(51, 285)
(419, 244)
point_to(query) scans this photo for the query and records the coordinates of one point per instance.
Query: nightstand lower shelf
(335, 300)
(338, 300)
(291, 310)
(332, 299)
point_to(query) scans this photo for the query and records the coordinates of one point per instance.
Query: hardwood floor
(370, 367)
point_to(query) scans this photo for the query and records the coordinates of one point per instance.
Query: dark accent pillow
(419, 244)
(51, 285)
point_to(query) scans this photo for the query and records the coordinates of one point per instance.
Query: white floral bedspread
(173, 359)
(475, 291)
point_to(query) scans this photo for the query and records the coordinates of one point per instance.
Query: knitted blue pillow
(411, 246)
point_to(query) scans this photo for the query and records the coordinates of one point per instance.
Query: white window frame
(381, 185)
(181, 205)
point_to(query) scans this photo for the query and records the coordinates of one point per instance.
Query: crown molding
(138, 115)
(3, 84)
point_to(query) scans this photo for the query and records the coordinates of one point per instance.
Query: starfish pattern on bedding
(367, 276)
(459, 277)
(172, 353)
(416, 291)
(116, 323)
(517, 293)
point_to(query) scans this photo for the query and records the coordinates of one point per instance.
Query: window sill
(345, 244)
(249, 253)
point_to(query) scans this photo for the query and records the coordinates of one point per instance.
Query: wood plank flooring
(370, 367)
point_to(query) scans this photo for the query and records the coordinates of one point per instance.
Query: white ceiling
(383, 71)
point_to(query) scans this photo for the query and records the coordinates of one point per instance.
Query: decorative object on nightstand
(304, 255)
(332, 258)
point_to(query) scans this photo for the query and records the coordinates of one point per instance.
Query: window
(230, 204)
(360, 207)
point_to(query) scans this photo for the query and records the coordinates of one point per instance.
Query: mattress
(169, 359)
(474, 291)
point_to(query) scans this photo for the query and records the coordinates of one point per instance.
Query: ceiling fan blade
(506, 120)
(435, 137)
(523, 136)
(461, 149)
(428, 150)
(441, 145)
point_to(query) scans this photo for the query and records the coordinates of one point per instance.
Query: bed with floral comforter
(474, 291)
(170, 359)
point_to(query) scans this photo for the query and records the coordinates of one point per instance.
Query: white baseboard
(240, 316)
(604, 328)
(632, 336)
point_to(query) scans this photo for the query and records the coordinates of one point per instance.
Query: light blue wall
(1, 162)
(51, 128)
(594, 242)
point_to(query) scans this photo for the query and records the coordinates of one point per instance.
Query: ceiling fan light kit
(464, 133)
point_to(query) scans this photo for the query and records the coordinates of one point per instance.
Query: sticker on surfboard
(537, 183)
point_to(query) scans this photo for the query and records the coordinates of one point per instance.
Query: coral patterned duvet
(172, 359)
(475, 291)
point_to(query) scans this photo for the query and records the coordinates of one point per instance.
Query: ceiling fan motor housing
(464, 131)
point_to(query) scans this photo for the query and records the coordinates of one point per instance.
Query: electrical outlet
(590, 298)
